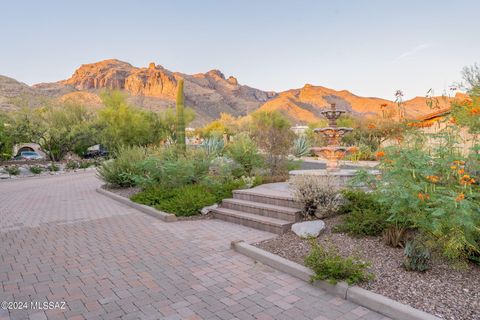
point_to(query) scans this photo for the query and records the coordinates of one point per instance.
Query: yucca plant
(213, 146)
(301, 147)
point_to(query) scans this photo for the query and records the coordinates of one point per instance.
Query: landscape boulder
(307, 229)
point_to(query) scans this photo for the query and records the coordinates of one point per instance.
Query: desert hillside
(209, 94)
(304, 105)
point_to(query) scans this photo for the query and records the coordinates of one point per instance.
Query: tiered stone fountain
(333, 152)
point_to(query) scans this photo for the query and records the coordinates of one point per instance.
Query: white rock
(207, 209)
(308, 229)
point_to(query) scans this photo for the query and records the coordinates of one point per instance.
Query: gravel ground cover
(446, 291)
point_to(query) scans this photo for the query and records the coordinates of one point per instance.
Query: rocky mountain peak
(232, 80)
(216, 74)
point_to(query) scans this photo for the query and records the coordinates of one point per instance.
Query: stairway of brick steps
(267, 212)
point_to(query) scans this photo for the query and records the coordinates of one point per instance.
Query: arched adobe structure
(28, 147)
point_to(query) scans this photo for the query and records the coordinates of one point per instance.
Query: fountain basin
(333, 130)
(340, 177)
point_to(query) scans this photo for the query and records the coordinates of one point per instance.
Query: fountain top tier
(332, 114)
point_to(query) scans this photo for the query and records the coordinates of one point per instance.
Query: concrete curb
(362, 297)
(167, 217)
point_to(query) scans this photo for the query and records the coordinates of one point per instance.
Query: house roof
(436, 114)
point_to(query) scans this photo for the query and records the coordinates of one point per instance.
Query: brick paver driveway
(62, 241)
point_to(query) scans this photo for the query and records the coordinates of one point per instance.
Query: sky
(371, 48)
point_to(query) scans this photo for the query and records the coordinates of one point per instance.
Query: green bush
(187, 200)
(12, 170)
(271, 131)
(328, 264)
(245, 152)
(182, 201)
(225, 169)
(167, 168)
(417, 256)
(85, 164)
(36, 169)
(122, 171)
(432, 187)
(53, 168)
(364, 215)
(72, 165)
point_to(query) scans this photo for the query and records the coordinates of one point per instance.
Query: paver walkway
(62, 241)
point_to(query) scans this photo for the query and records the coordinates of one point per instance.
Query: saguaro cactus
(180, 129)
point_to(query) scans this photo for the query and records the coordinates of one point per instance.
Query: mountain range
(209, 94)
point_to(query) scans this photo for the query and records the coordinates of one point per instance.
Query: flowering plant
(433, 189)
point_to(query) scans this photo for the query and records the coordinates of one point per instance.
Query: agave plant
(213, 145)
(301, 147)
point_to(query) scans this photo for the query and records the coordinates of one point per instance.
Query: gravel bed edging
(164, 216)
(355, 294)
(48, 175)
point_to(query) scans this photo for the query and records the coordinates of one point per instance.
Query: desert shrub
(7, 137)
(369, 134)
(328, 264)
(294, 164)
(271, 131)
(12, 170)
(224, 168)
(85, 164)
(319, 196)
(223, 189)
(301, 147)
(122, 170)
(72, 165)
(474, 256)
(244, 151)
(166, 168)
(364, 215)
(53, 167)
(431, 187)
(226, 125)
(395, 236)
(417, 256)
(360, 152)
(35, 169)
(186, 200)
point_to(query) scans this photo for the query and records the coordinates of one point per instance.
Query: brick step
(263, 209)
(254, 196)
(252, 220)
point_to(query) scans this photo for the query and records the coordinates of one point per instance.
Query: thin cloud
(413, 51)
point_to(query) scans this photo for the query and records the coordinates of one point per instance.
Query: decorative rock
(308, 229)
(207, 209)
